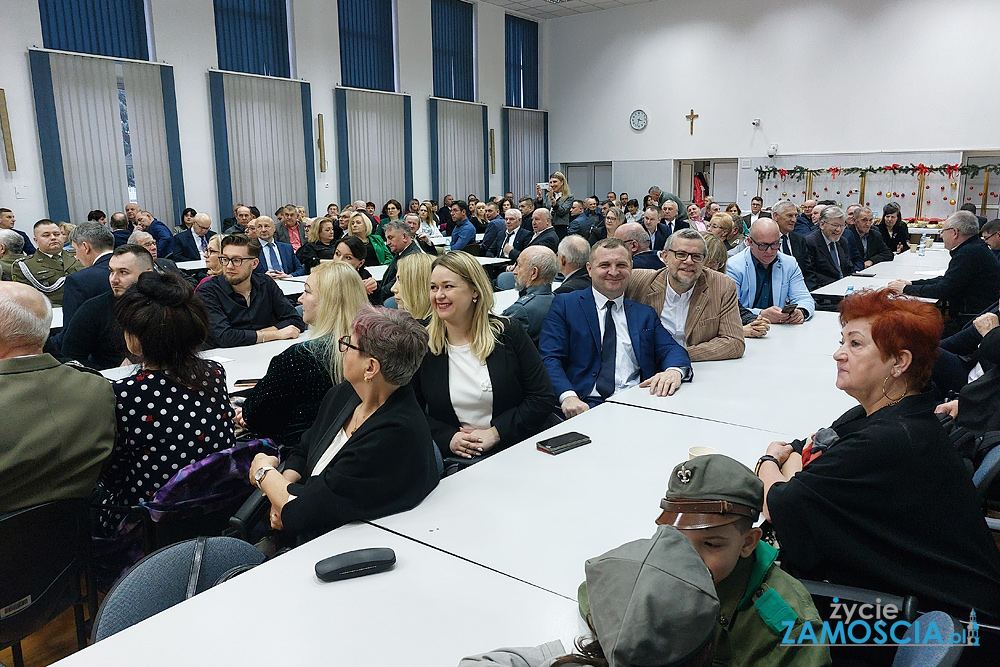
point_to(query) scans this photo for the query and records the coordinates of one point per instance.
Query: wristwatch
(258, 476)
(760, 461)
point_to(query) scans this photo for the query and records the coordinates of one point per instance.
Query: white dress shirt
(674, 314)
(469, 387)
(626, 363)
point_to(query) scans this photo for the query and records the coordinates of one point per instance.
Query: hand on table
(573, 406)
(278, 275)
(986, 323)
(869, 263)
(949, 408)
(756, 329)
(664, 383)
(469, 443)
(797, 317)
(898, 285)
(773, 315)
(288, 333)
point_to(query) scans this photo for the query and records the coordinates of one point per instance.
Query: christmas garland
(950, 170)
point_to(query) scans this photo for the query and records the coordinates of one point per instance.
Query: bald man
(636, 239)
(191, 244)
(53, 447)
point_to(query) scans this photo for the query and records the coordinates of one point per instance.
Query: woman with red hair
(883, 501)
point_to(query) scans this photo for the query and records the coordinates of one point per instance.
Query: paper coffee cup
(701, 450)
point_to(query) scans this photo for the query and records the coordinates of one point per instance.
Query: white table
(57, 317)
(904, 266)
(446, 240)
(431, 609)
(539, 517)
(291, 287)
(792, 393)
(378, 272)
(193, 265)
(240, 363)
(503, 300)
(820, 335)
(930, 231)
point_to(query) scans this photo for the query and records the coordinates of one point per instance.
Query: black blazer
(663, 232)
(85, 284)
(523, 401)
(823, 269)
(519, 242)
(877, 250)
(185, 249)
(970, 285)
(386, 466)
(898, 238)
(548, 238)
(801, 255)
(579, 280)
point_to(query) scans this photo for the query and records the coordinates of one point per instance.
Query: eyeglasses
(764, 247)
(834, 225)
(235, 261)
(344, 342)
(987, 238)
(209, 251)
(696, 257)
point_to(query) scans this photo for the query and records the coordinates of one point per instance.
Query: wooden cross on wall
(691, 116)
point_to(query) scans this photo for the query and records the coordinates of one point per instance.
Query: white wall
(921, 79)
(184, 36)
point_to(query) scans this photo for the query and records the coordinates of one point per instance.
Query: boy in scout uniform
(714, 501)
(46, 270)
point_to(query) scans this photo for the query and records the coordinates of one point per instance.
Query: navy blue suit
(121, 236)
(663, 232)
(290, 264)
(29, 247)
(519, 241)
(646, 260)
(164, 238)
(570, 343)
(186, 249)
(85, 284)
(494, 228)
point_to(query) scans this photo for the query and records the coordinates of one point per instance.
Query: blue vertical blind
(366, 44)
(115, 28)
(251, 36)
(521, 49)
(451, 44)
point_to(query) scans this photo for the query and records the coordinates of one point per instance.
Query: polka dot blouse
(162, 427)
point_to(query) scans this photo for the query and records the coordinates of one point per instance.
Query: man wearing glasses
(829, 254)
(769, 282)
(990, 233)
(191, 244)
(697, 307)
(244, 307)
(972, 281)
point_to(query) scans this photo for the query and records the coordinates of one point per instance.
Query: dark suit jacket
(185, 248)
(877, 250)
(971, 283)
(899, 236)
(232, 323)
(522, 394)
(494, 228)
(801, 255)
(290, 264)
(386, 466)
(93, 337)
(804, 226)
(121, 236)
(519, 241)
(824, 271)
(663, 232)
(579, 279)
(548, 238)
(164, 238)
(646, 260)
(29, 247)
(85, 284)
(966, 344)
(571, 342)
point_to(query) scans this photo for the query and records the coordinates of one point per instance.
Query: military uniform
(7, 264)
(531, 308)
(757, 598)
(46, 274)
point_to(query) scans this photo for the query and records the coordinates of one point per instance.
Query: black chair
(823, 592)
(169, 576)
(45, 557)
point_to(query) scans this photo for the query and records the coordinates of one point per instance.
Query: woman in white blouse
(482, 381)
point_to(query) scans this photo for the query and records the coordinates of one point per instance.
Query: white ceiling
(543, 9)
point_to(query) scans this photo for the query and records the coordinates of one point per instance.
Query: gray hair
(139, 237)
(545, 212)
(393, 337)
(94, 233)
(689, 234)
(782, 205)
(412, 215)
(633, 231)
(20, 325)
(574, 250)
(835, 213)
(514, 211)
(963, 222)
(541, 258)
(863, 209)
(11, 240)
(399, 226)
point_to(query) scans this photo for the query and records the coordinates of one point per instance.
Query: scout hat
(709, 491)
(652, 601)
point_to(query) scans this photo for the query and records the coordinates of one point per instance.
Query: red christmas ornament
(914, 194)
(929, 187)
(980, 194)
(969, 198)
(902, 194)
(868, 203)
(942, 187)
(838, 192)
(879, 192)
(972, 187)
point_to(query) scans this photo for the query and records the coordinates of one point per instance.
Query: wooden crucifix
(691, 116)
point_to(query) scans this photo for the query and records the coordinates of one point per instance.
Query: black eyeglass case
(357, 563)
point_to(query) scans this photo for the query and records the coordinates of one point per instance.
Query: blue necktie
(836, 259)
(204, 243)
(609, 347)
(273, 254)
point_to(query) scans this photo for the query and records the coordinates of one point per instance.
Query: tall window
(451, 43)
(115, 28)
(252, 36)
(366, 44)
(521, 48)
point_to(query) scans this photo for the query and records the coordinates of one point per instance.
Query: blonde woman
(715, 259)
(724, 228)
(285, 402)
(376, 251)
(558, 199)
(482, 380)
(322, 243)
(412, 286)
(212, 259)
